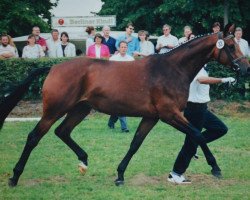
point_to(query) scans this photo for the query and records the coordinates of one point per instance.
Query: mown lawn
(51, 172)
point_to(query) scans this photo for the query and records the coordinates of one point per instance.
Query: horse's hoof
(82, 168)
(12, 182)
(216, 173)
(119, 182)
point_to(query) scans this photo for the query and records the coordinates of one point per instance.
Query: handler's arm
(213, 80)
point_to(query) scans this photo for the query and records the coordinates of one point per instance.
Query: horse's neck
(194, 55)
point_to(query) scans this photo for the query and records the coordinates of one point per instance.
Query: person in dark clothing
(108, 40)
(200, 117)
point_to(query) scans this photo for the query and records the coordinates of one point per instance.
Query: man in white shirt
(200, 117)
(53, 43)
(167, 41)
(6, 50)
(121, 56)
(241, 42)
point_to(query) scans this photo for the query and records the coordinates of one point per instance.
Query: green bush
(13, 71)
(239, 91)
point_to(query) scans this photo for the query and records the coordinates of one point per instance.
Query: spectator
(243, 44)
(66, 48)
(121, 56)
(53, 42)
(11, 43)
(146, 47)
(133, 42)
(90, 40)
(98, 50)
(167, 41)
(187, 35)
(108, 40)
(7, 47)
(200, 117)
(39, 40)
(32, 50)
(216, 27)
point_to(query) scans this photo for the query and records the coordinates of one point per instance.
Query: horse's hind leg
(33, 139)
(142, 131)
(73, 118)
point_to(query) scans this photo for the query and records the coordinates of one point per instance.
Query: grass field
(51, 172)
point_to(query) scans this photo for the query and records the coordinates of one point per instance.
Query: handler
(200, 117)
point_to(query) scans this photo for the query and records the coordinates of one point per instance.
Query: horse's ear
(229, 29)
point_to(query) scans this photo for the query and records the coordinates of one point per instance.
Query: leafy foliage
(13, 71)
(200, 14)
(19, 16)
(226, 91)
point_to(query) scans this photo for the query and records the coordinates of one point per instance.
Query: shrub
(239, 91)
(13, 71)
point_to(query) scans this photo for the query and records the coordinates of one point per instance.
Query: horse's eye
(232, 48)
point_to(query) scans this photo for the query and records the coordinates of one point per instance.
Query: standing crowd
(103, 45)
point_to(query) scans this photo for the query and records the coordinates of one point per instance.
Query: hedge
(12, 71)
(238, 91)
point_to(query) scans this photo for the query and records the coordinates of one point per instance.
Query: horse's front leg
(142, 131)
(179, 122)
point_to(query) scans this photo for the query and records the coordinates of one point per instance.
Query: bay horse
(154, 88)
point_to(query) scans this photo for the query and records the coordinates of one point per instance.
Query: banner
(84, 21)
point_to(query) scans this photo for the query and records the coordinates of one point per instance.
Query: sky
(76, 7)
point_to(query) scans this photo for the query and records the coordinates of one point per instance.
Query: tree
(200, 14)
(19, 16)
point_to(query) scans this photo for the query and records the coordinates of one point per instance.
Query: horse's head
(227, 52)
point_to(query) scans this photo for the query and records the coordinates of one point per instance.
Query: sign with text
(84, 21)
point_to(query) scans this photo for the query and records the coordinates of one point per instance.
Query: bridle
(235, 65)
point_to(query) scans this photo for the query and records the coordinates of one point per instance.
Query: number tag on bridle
(220, 44)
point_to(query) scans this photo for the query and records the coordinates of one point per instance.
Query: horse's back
(103, 84)
(63, 84)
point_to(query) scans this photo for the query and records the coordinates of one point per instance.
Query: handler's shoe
(177, 179)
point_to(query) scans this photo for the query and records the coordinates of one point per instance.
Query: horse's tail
(10, 101)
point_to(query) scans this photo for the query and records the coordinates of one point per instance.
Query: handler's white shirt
(199, 93)
(164, 41)
(243, 46)
(118, 57)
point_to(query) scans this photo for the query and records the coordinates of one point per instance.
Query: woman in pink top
(98, 50)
